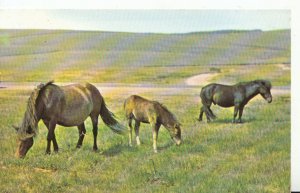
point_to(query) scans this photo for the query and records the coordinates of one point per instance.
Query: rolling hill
(69, 56)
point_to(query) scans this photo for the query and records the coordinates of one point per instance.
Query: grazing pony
(237, 95)
(67, 106)
(145, 111)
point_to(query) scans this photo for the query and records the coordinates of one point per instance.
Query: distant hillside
(58, 50)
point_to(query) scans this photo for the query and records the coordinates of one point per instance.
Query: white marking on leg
(154, 142)
(138, 140)
(130, 140)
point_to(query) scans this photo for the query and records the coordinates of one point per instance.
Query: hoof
(239, 120)
(95, 149)
(155, 151)
(130, 144)
(48, 152)
(78, 146)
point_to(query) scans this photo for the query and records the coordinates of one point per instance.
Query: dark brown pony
(67, 106)
(145, 111)
(237, 95)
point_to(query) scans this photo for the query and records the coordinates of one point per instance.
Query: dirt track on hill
(191, 86)
(205, 78)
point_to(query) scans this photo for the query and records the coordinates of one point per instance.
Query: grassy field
(215, 157)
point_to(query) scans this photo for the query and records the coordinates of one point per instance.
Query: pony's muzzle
(269, 99)
(18, 155)
(177, 141)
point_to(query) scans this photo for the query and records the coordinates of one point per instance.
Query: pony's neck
(38, 110)
(252, 91)
(31, 117)
(167, 120)
(168, 124)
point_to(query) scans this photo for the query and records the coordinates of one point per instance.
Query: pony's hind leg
(136, 129)
(201, 114)
(95, 131)
(208, 117)
(207, 112)
(213, 116)
(130, 131)
(81, 131)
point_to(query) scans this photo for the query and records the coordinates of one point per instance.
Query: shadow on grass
(227, 120)
(166, 146)
(117, 149)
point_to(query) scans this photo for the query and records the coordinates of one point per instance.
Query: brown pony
(237, 95)
(67, 106)
(145, 111)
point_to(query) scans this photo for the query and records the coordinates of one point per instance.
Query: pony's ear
(26, 136)
(258, 81)
(29, 135)
(261, 83)
(16, 127)
(266, 84)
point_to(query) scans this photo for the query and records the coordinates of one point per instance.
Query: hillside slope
(82, 55)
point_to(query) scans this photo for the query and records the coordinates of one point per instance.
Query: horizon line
(191, 32)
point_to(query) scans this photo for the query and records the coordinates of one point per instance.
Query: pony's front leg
(51, 137)
(136, 130)
(235, 113)
(240, 114)
(155, 129)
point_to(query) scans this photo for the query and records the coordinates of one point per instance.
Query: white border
(146, 4)
(292, 5)
(295, 119)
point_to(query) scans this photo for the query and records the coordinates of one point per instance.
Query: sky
(153, 21)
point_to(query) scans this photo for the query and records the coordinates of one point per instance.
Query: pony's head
(29, 126)
(175, 132)
(265, 89)
(171, 124)
(25, 142)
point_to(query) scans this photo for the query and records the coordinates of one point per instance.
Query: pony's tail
(203, 97)
(205, 101)
(109, 120)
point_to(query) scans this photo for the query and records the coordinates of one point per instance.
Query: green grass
(218, 157)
